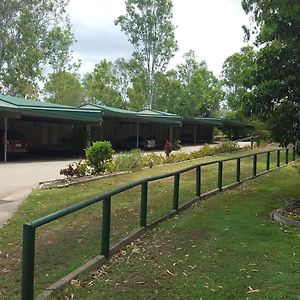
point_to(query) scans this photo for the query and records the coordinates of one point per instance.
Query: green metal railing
(29, 229)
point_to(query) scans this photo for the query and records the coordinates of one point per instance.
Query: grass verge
(66, 244)
(226, 247)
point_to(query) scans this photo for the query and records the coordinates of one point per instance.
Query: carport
(200, 129)
(119, 123)
(15, 110)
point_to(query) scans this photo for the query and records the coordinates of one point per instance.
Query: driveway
(17, 179)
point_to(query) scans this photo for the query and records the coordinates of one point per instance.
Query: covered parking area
(119, 124)
(46, 126)
(198, 130)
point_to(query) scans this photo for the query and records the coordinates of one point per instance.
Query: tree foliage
(237, 75)
(276, 87)
(33, 34)
(148, 25)
(64, 87)
(101, 85)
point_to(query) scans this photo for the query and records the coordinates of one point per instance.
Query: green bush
(98, 154)
(152, 159)
(128, 161)
(178, 157)
(227, 147)
(177, 145)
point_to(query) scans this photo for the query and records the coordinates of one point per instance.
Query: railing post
(278, 158)
(287, 156)
(198, 181)
(294, 153)
(268, 161)
(238, 170)
(144, 199)
(27, 290)
(176, 192)
(106, 214)
(220, 175)
(254, 165)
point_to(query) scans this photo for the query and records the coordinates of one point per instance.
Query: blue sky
(212, 28)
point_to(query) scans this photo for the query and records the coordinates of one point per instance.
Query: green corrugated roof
(215, 122)
(33, 108)
(145, 116)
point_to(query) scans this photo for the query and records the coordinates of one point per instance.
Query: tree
(237, 75)
(33, 34)
(188, 68)
(101, 85)
(148, 25)
(64, 87)
(169, 91)
(202, 94)
(276, 88)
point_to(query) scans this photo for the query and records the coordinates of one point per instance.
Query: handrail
(85, 203)
(29, 228)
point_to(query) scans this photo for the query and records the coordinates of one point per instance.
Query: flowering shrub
(77, 169)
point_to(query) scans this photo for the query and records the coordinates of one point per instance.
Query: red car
(16, 143)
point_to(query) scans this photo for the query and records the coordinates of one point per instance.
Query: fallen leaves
(251, 290)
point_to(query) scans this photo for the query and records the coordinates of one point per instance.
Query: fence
(29, 229)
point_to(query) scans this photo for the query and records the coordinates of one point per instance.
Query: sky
(212, 28)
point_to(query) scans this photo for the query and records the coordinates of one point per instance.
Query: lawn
(225, 247)
(66, 244)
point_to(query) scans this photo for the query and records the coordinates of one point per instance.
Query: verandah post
(278, 158)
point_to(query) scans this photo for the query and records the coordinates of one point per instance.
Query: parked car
(131, 142)
(16, 143)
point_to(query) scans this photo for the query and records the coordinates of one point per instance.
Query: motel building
(35, 127)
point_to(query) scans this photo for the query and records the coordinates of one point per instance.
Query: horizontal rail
(28, 255)
(85, 203)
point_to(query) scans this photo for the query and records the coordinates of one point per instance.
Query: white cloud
(211, 28)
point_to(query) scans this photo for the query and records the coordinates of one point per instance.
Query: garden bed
(288, 216)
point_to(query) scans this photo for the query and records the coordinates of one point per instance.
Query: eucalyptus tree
(276, 85)
(148, 26)
(34, 34)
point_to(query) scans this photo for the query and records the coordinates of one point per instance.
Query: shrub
(98, 154)
(227, 147)
(168, 148)
(177, 145)
(152, 159)
(178, 157)
(128, 161)
(77, 169)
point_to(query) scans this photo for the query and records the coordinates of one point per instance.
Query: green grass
(225, 247)
(64, 245)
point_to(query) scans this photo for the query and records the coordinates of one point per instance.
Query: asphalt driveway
(17, 179)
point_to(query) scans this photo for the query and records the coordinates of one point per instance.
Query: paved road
(17, 179)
